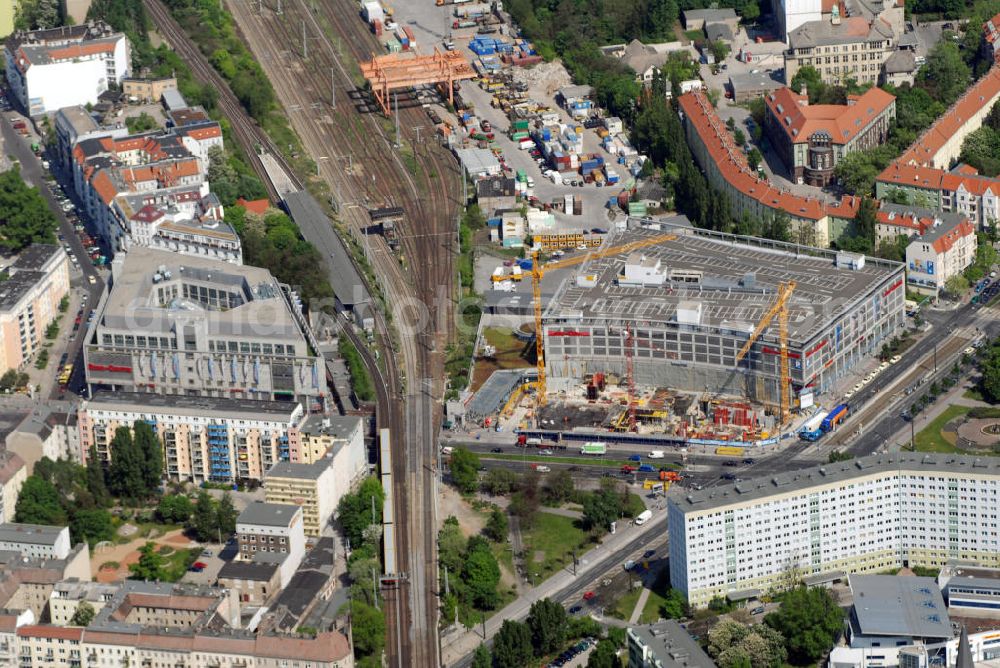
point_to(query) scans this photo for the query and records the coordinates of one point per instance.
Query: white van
(643, 517)
(447, 450)
(656, 454)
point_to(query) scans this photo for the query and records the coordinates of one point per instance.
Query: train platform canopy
(345, 280)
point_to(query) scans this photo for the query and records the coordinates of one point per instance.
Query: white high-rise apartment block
(865, 515)
(790, 14)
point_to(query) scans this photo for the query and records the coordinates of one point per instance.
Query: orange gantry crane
(537, 272)
(404, 70)
(779, 309)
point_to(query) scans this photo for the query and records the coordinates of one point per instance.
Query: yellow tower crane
(780, 309)
(537, 271)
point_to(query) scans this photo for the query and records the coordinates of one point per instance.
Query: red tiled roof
(903, 174)
(945, 242)
(104, 187)
(974, 184)
(925, 149)
(205, 133)
(80, 50)
(731, 162)
(841, 122)
(991, 29)
(47, 631)
(968, 170)
(920, 225)
(257, 206)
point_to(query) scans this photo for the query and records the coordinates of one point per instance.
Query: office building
(854, 48)
(319, 486)
(813, 139)
(971, 590)
(863, 516)
(213, 439)
(790, 14)
(29, 302)
(693, 301)
(272, 529)
(193, 326)
(66, 66)
(35, 540)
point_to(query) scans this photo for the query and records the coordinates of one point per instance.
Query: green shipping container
(518, 136)
(522, 175)
(636, 209)
(520, 125)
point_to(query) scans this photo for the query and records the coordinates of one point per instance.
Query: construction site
(679, 334)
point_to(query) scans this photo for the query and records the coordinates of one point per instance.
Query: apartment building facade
(35, 540)
(204, 438)
(29, 301)
(944, 250)
(275, 530)
(866, 515)
(61, 67)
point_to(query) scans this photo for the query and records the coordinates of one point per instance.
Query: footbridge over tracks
(402, 70)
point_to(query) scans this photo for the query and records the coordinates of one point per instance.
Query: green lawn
(554, 536)
(694, 35)
(974, 394)
(175, 565)
(930, 438)
(623, 607)
(651, 611)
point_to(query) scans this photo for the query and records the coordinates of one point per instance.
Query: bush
(361, 382)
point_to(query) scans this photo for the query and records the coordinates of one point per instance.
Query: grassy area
(974, 394)
(508, 346)
(177, 563)
(694, 35)
(651, 612)
(549, 544)
(623, 607)
(579, 461)
(930, 438)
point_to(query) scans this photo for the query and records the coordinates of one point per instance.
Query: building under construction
(688, 305)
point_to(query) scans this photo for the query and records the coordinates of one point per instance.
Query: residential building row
(34, 284)
(66, 66)
(228, 440)
(149, 190)
(727, 170)
(813, 139)
(154, 623)
(941, 245)
(926, 172)
(862, 516)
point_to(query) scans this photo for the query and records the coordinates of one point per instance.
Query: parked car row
(572, 652)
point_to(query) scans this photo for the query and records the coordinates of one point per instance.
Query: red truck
(628, 469)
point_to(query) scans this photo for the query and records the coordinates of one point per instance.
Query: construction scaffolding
(404, 70)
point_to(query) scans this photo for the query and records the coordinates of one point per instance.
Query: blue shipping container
(493, 222)
(524, 263)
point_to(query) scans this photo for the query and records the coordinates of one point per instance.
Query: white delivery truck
(643, 517)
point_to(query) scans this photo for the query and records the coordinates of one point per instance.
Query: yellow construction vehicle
(779, 309)
(537, 271)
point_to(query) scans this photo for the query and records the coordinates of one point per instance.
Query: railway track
(420, 295)
(246, 132)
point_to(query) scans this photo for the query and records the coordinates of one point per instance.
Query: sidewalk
(639, 605)
(457, 645)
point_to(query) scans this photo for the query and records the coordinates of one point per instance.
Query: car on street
(589, 596)
(91, 280)
(729, 476)
(575, 609)
(648, 553)
(545, 452)
(730, 462)
(647, 468)
(894, 359)
(497, 450)
(635, 458)
(748, 461)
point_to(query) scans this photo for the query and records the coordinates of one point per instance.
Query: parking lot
(431, 27)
